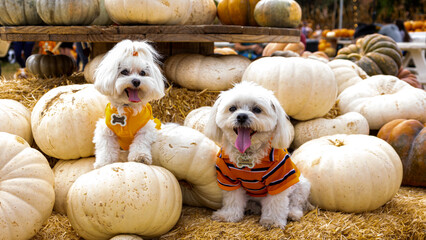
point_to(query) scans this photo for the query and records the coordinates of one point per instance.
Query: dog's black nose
(242, 117)
(136, 82)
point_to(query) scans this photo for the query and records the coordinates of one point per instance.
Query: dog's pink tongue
(243, 139)
(133, 95)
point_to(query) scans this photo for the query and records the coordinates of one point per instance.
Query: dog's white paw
(295, 214)
(141, 157)
(271, 222)
(227, 216)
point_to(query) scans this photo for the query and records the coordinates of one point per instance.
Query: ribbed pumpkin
(19, 12)
(203, 12)
(26, 189)
(273, 47)
(375, 54)
(278, 13)
(347, 73)
(408, 138)
(15, 119)
(68, 12)
(50, 65)
(408, 77)
(237, 12)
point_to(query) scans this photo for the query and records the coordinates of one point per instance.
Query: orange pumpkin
(237, 12)
(225, 51)
(273, 47)
(408, 138)
(406, 76)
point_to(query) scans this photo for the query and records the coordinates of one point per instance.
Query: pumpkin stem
(337, 142)
(185, 184)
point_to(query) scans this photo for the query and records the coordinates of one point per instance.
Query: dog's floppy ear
(284, 131)
(211, 130)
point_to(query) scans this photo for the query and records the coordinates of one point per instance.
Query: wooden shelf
(155, 33)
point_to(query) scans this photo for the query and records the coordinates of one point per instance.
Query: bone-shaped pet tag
(244, 161)
(118, 119)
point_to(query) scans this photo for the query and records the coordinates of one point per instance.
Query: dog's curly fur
(125, 63)
(270, 123)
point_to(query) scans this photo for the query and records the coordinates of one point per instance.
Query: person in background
(83, 52)
(365, 29)
(403, 31)
(249, 50)
(306, 29)
(391, 30)
(22, 51)
(65, 48)
(317, 33)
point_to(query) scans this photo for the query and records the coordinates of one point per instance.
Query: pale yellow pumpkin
(203, 12)
(199, 72)
(383, 98)
(64, 119)
(198, 118)
(347, 73)
(348, 123)
(191, 157)
(15, 119)
(26, 188)
(349, 173)
(306, 88)
(66, 172)
(129, 197)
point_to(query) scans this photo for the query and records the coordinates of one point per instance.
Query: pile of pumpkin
(415, 26)
(333, 106)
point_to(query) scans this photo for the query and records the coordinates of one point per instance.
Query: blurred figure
(22, 51)
(317, 33)
(403, 31)
(65, 48)
(83, 52)
(249, 50)
(391, 30)
(365, 29)
(306, 29)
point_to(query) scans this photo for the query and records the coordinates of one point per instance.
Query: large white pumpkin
(68, 12)
(131, 198)
(198, 118)
(383, 98)
(199, 72)
(306, 88)
(15, 119)
(66, 172)
(349, 173)
(348, 123)
(64, 119)
(347, 73)
(191, 157)
(26, 188)
(203, 12)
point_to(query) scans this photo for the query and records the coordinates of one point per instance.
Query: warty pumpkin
(129, 197)
(68, 12)
(349, 173)
(15, 119)
(375, 53)
(19, 12)
(278, 13)
(236, 12)
(408, 138)
(26, 188)
(50, 65)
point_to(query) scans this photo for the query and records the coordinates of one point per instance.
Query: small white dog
(130, 77)
(249, 123)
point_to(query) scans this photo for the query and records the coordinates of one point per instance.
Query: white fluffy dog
(130, 77)
(249, 123)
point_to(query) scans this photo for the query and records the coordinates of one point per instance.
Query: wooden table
(168, 39)
(416, 52)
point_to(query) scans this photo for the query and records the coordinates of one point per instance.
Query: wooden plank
(220, 38)
(59, 29)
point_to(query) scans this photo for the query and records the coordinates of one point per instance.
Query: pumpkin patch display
(50, 65)
(64, 119)
(383, 98)
(236, 12)
(68, 12)
(408, 138)
(349, 123)
(376, 54)
(26, 188)
(191, 157)
(199, 72)
(19, 12)
(129, 198)
(278, 13)
(15, 119)
(306, 88)
(349, 173)
(347, 73)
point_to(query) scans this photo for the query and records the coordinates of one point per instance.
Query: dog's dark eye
(257, 110)
(233, 109)
(125, 72)
(142, 73)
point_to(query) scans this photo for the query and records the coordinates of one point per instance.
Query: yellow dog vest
(127, 125)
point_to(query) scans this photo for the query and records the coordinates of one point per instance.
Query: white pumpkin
(349, 173)
(64, 119)
(199, 72)
(90, 68)
(26, 188)
(198, 118)
(306, 88)
(191, 157)
(348, 123)
(66, 172)
(383, 98)
(130, 198)
(203, 12)
(126, 237)
(347, 73)
(15, 119)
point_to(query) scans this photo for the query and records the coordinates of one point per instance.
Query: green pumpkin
(19, 12)
(50, 65)
(278, 13)
(376, 54)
